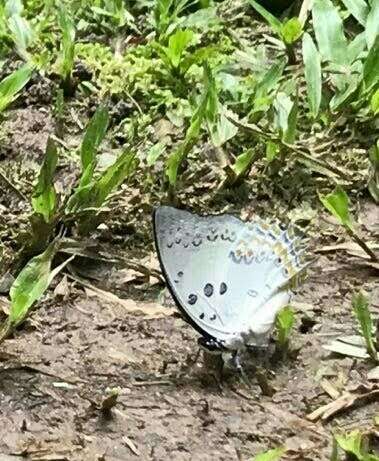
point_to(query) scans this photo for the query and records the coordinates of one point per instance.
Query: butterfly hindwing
(222, 272)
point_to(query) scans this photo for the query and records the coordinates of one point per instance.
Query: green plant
(285, 321)
(11, 86)
(166, 15)
(354, 445)
(118, 13)
(337, 203)
(352, 71)
(373, 182)
(270, 455)
(29, 286)
(83, 206)
(67, 50)
(205, 111)
(363, 315)
(289, 31)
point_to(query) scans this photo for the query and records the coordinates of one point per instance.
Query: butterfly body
(229, 278)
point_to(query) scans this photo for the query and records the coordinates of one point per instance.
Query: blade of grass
(313, 78)
(329, 31)
(362, 312)
(44, 198)
(93, 137)
(274, 22)
(371, 65)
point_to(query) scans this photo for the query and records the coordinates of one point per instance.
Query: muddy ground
(57, 370)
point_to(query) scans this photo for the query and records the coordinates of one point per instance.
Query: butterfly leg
(212, 353)
(236, 362)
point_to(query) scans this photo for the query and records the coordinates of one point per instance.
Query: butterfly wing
(222, 272)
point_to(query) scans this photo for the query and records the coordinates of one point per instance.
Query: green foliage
(362, 312)
(289, 31)
(67, 50)
(352, 444)
(337, 203)
(270, 455)
(373, 183)
(313, 77)
(44, 199)
(285, 321)
(93, 137)
(11, 86)
(206, 110)
(30, 284)
(166, 15)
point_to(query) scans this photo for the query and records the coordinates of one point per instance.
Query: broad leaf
(329, 32)
(11, 85)
(30, 284)
(285, 321)
(313, 77)
(243, 163)
(291, 30)
(93, 137)
(372, 24)
(358, 8)
(338, 204)
(371, 66)
(21, 34)
(44, 195)
(177, 44)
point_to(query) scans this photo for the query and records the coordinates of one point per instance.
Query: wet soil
(57, 373)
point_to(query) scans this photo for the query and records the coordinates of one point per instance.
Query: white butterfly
(229, 278)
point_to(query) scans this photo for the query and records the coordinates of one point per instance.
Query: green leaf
(337, 203)
(356, 47)
(285, 321)
(284, 106)
(44, 195)
(30, 284)
(271, 455)
(206, 110)
(10, 86)
(290, 134)
(68, 42)
(93, 137)
(272, 150)
(243, 163)
(94, 194)
(177, 44)
(357, 8)
(21, 35)
(329, 32)
(371, 66)
(112, 178)
(291, 30)
(375, 102)
(274, 22)
(270, 78)
(362, 312)
(313, 77)
(154, 153)
(372, 24)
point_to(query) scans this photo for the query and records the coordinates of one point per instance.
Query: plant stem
(362, 244)
(5, 330)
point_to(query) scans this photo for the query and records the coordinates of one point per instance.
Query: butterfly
(228, 278)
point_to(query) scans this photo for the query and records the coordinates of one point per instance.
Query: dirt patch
(56, 373)
(25, 134)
